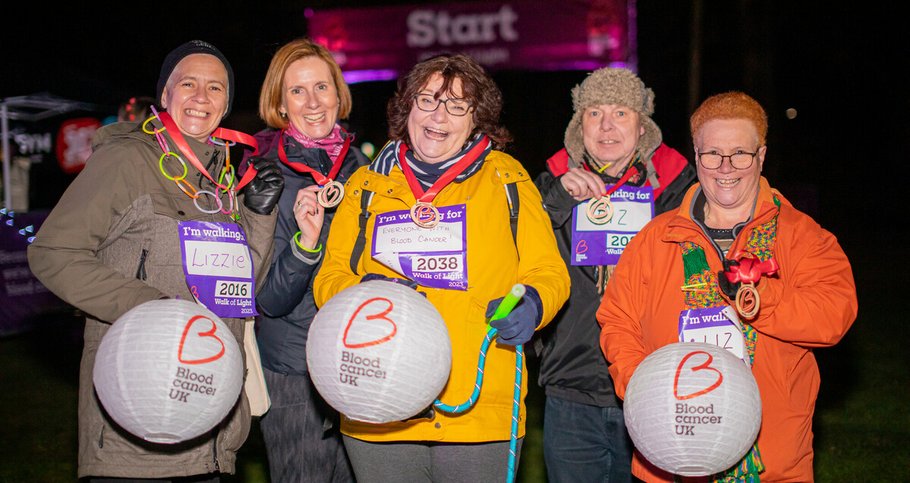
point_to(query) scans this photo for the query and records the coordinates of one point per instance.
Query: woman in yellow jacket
(439, 195)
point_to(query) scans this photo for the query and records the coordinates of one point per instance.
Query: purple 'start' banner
(380, 43)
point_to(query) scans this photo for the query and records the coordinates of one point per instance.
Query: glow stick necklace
(220, 137)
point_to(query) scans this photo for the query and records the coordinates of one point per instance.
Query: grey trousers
(300, 433)
(415, 462)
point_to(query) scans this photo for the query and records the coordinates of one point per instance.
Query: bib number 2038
(438, 263)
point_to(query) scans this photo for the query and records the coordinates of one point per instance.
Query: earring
(283, 114)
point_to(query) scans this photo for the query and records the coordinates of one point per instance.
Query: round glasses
(713, 159)
(455, 107)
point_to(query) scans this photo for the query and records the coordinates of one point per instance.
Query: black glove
(518, 327)
(729, 288)
(262, 194)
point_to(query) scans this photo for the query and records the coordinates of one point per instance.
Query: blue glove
(518, 327)
(375, 276)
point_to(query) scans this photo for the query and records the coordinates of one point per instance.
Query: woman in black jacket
(303, 97)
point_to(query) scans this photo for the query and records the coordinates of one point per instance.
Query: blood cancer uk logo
(370, 324)
(689, 381)
(198, 337)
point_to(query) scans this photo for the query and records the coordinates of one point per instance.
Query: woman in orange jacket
(737, 242)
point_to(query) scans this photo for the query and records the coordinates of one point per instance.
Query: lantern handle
(505, 307)
(502, 310)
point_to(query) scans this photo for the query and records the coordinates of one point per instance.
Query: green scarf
(698, 274)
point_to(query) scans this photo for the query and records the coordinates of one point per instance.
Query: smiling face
(730, 192)
(437, 136)
(310, 99)
(611, 134)
(196, 95)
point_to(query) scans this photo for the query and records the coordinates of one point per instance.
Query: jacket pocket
(236, 428)
(177, 206)
(164, 258)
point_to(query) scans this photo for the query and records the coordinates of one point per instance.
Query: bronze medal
(424, 214)
(331, 194)
(599, 210)
(747, 300)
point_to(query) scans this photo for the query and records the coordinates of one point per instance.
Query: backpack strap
(514, 205)
(361, 234)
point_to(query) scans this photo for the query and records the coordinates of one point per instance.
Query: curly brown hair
(479, 90)
(731, 105)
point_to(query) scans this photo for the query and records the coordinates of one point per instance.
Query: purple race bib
(602, 244)
(716, 326)
(433, 257)
(218, 267)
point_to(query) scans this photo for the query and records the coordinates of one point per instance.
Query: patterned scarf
(428, 173)
(698, 274)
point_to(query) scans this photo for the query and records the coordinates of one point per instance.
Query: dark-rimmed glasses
(713, 159)
(454, 106)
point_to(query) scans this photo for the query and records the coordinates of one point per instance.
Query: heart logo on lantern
(197, 338)
(706, 366)
(376, 308)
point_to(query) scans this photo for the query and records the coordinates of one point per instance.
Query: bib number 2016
(226, 288)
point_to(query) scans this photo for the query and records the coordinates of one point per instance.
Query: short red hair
(730, 105)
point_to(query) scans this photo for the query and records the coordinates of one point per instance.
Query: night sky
(836, 65)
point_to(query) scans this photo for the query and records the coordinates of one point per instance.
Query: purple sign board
(380, 43)
(22, 297)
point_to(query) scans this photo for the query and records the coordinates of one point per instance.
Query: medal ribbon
(629, 173)
(320, 178)
(220, 133)
(600, 209)
(750, 270)
(446, 178)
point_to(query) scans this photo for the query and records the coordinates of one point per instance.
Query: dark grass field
(862, 422)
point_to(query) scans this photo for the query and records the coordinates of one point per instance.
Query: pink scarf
(331, 144)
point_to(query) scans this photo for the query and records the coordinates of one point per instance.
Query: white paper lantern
(379, 352)
(168, 371)
(692, 409)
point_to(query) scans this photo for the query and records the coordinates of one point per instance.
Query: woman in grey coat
(112, 243)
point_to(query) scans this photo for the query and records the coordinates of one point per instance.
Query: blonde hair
(731, 105)
(271, 95)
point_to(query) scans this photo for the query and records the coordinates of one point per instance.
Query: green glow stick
(508, 303)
